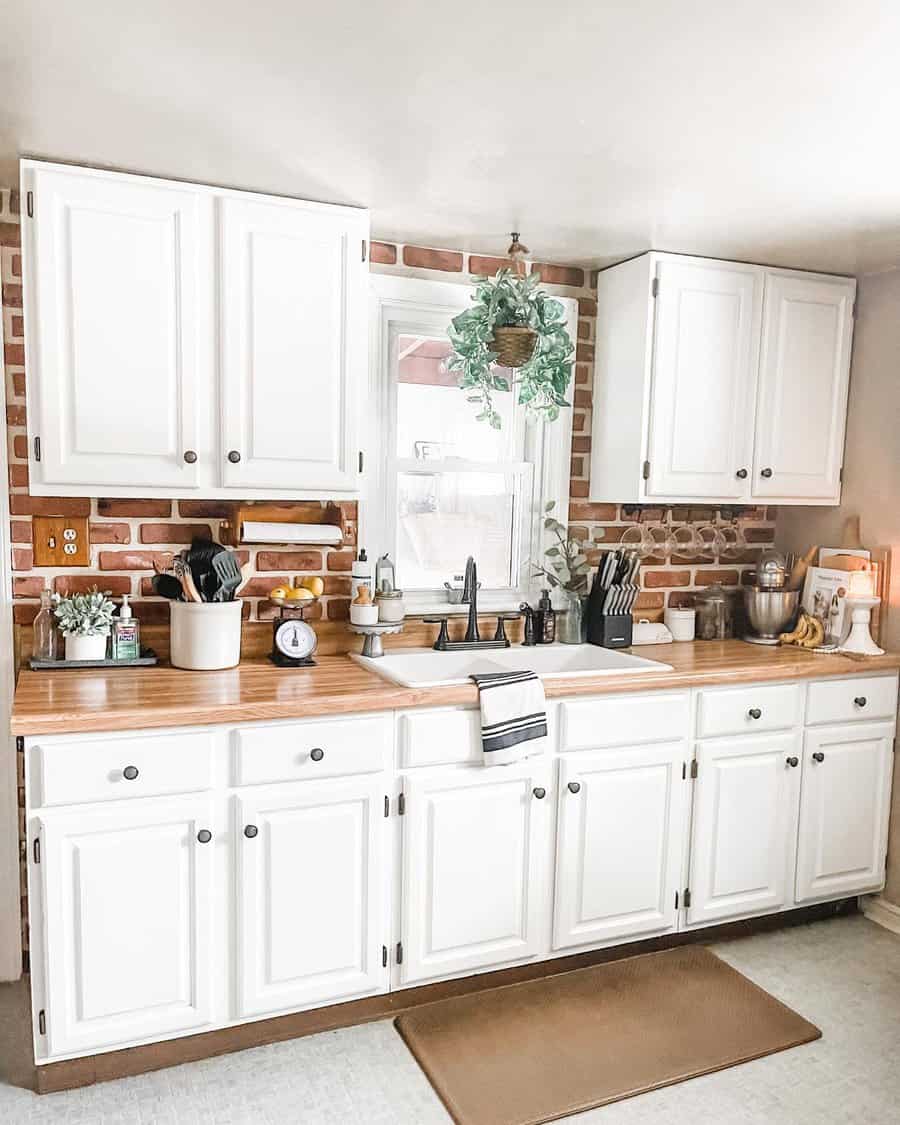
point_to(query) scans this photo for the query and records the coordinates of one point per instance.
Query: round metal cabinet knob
(818, 756)
(190, 457)
(860, 701)
(317, 754)
(793, 761)
(540, 792)
(234, 456)
(765, 473)
(130, 773)
(741, 474)
(204, 836)
(755, 713)
(250, 831)
(574, 786)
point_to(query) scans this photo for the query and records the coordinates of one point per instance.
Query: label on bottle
(127, 645)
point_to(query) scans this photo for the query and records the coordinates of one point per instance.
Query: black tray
(147, 658)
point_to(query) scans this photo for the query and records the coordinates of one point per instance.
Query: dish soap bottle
(126, 633)
(545, 620)
(360, 574)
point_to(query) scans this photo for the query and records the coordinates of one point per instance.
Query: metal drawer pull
(540, 792)
(766, 473)
(574, 786)
(234, 456)
(860, 701)
(317, 754)
(250, 831)
(741, 474)
(755, 713)
(793, 761)
(190, 457)
(204, 836)
(130, 773)
(818, 756)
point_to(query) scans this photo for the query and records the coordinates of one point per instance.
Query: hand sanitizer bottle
(126, 633)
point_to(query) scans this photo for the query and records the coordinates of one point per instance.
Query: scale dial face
(295, 639)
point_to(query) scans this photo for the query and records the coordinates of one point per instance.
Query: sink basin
(423, 667)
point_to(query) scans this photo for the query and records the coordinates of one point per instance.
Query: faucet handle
(502, 618)
(443, 638)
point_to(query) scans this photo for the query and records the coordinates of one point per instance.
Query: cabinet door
(745, 826)
(475, 858)
(127, 903)
(844, 810)
(620, 843)
(294, 332)
(115, 358)
(803, 381)
(704, 379)
(312, 894)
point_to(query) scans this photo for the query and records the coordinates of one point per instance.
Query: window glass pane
(444, 517)
(434, 420)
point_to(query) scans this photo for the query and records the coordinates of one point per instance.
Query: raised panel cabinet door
(113, 266)
(618, 860)
(844, 809)
(705, 351)
(127, 907)
(294, 332)
(475, 855)
(804, 375)
(312, 894)
(744, 833)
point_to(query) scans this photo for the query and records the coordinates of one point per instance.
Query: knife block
(610, 630)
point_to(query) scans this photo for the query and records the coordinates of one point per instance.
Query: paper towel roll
(324, 533)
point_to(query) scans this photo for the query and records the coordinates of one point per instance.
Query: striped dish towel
(513, 716)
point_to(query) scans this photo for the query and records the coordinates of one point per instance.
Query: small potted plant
(85, 621)
(567, 567)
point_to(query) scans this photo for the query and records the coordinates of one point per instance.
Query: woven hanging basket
(514, 345)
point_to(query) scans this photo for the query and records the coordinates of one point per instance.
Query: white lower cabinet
(744, 826)
(618, 860)
(127, 901)
(312, 893)
(844, 808)
(476, 850)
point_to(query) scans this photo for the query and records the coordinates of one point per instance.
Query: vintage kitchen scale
(294, 640)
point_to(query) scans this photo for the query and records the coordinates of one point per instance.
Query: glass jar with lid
(715, 614)
(391, 609)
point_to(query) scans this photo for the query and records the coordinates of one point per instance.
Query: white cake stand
(372, 645)
(859, 639)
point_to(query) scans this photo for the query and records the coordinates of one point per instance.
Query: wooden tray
(146, 660)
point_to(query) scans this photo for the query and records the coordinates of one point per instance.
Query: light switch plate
(61, 541)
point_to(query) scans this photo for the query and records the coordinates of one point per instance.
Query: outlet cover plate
(61, 541)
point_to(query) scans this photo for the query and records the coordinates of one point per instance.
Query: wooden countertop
(137, 698)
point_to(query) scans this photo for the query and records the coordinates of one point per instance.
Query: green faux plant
(509, 300)
(567, 565)
(85, 615)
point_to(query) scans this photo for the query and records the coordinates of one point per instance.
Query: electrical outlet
(61, 541)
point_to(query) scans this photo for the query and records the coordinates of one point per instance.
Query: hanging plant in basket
(512, 324)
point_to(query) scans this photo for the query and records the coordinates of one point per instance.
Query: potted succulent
(568, 569)
(85, 621)
(512, 324)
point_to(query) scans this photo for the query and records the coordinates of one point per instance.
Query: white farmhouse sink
(424, 667)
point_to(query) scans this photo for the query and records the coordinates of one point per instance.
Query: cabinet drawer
(749, 710)
(859, 697)
(305, 751)
(108, 769)
(626, 720)
(438, 738)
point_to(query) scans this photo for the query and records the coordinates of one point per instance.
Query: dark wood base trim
(72, 1073)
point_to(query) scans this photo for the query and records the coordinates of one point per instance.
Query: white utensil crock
(205, 635)
(86, 648)
(681, 622)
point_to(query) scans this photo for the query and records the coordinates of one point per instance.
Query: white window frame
(419, 305)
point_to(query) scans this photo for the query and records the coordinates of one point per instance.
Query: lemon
(299, 594)
(280, 592)
(314, 584)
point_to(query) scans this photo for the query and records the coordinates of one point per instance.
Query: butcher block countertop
(106, 699)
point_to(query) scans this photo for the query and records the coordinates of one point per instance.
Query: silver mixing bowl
(770, 612)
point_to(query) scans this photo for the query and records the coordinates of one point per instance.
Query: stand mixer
(771, 608)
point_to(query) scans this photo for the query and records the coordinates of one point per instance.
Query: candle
(862, 584)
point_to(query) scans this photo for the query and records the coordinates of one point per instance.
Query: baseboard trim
(71, 1073)
(884, 913)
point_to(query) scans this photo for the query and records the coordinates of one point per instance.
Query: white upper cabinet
(803, 379)
(293, 295)
(115, 356)
(184, 337)
(719, 381)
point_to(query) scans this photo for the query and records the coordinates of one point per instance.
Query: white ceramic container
(205, 635)
(86, 648)
(681, 622)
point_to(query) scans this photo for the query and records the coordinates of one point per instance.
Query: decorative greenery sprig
(85, 615)
(499, 302)
(570, 568)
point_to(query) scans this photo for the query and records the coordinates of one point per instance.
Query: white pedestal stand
(859, 639)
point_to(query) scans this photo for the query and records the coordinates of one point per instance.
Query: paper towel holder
(231, 529)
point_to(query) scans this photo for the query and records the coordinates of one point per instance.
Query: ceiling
(763, 130)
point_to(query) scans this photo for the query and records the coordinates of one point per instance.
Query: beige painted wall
(871, 473)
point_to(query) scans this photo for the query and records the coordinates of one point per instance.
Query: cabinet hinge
(29, 204)
(853, 311)
(360, 461)
(399, 952)
(36, 849)
(683, 771)
(687, 898)
(37, 447)
(654, 287)
(363, 249)
(20, 743)
(387, 805)
(694, 769)
(646, 470)
(841, 475)
(42, 1022)
(401, 805)
(676, 900)
(384, 957)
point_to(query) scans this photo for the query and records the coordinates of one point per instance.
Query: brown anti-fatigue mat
(538, 1051)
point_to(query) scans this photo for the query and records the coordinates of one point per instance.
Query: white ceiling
(757, 129)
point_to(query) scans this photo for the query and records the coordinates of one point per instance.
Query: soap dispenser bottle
(545, 620)
(126, 633)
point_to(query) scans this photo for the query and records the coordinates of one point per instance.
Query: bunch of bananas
(809, 633)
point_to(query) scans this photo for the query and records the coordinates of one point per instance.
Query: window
(446, 486)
